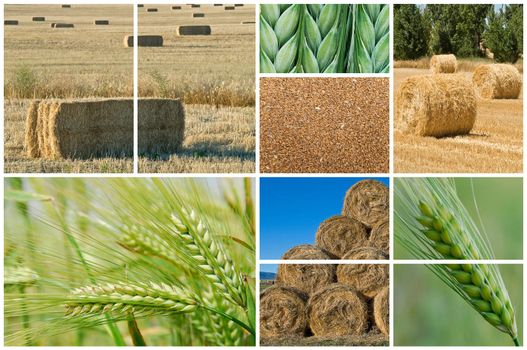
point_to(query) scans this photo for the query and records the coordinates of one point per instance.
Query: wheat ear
(436, 225)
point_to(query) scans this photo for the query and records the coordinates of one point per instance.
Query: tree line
(463, 30)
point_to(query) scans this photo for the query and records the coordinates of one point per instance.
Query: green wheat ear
(434, 224)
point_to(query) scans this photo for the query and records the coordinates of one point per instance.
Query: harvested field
(324, 125)
(217, 140)
(495, 144)
(80, 61)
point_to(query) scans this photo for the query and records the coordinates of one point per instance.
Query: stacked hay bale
(90, 128)
(333, 300)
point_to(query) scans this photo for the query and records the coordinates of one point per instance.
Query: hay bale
(66, 6)
(229, 8)
(144, 41)
(368, 201)
(380, 236)
(218, 4)
(176, 7)
(151, 9)
(248, 22)
(53, 25)
(497, 81)
(238, 5)
(140, 5)
(282, 312)
(337, 310)
(367, 279)
(161, 126)
(443, 64)
(306, 277)
(305, 252)
(11, 22)
(101, 22)
(84, 128)
(63, 25)
(198, 15)
(195, 5)
(340, 234)
(194, 30)
(31, 131)
(381, 310)
(38, 19)
(436, 105)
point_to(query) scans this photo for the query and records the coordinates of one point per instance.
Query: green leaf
(381, 54)
(382, 23)
(364, 63)
(365, 29)
(23, 196)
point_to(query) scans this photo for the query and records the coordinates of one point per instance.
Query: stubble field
(495, 144)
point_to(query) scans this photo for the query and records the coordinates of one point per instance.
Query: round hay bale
(151, 10)
(38, 19)
(194, 30)
(198, 15)
(176, 7)
(66, 6)
(368, 201)
(218, 4)
(443, 64)
(337, 310)
(339, 234)
(11, 22)
(436, 105)
(305, 252)
(64, 25)
(53, 25)
(306, 277)
(282, 312)
(368, 279)
(497, 81)
(140, 5)
(195, 5)
(381, 310)
(101, 22)
(229, 8)
(380, 236)
(144, 41)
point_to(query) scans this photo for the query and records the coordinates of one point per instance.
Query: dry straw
(368, 202)
(340, 234)
(497, 81)
(381, 310)
(282, 312)
(144, 41)
(443, 64)
(368, 279)
(306, 277)
(380, 236)
(31, 132)
(194, 30)
(337, 310)
(305, 252)
(436, 105)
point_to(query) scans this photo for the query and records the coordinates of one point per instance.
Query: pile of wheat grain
(343, 299)
(90, 128)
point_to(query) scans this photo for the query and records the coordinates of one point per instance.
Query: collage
(263, 174)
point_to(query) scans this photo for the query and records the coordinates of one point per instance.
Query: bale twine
(31, 131)
(305, 252)
(339, 234)
(443, 64)
(38, 19)
(381, 310)
(368, 279)
(380, 236)
(198, 15)
(64, 25)
(176, 7)
(337, 310)
(151, 10)
(144, 41)
(194, 30)
(306, 277)
(497, 81)
(161, 128)
(11, 22)
(101, 22)
(368, 201)
(436, 105)
(282, 312)
(229, 8)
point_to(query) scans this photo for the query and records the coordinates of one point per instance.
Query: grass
(184, 265)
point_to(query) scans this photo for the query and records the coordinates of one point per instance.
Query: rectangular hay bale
(198, 15)
(64, 25)
(144, 41)
(161, 126)
(11, 22)
(101, 22)
(38, 19)
(194, 30)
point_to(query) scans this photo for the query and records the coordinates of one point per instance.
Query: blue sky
(292, 208)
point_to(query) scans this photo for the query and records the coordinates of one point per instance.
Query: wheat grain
(19, 275)
(439, 227)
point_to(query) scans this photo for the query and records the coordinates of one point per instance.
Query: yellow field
(495, 144)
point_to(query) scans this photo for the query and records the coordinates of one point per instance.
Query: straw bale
(31, 131)
(101, 22)
(306, 252)
(368, 201)
(229, 8)
(11, 22)
(198, 15)
(496, 81)
(380, 236)
(38, 19)
(194, 30)
(381, 310)
(64, 25)
(306, 277)
(144, 41)
(340, 234)
(282, 312)
(443, 64)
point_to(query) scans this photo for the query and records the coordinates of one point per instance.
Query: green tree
(504, 33)
(409, 37)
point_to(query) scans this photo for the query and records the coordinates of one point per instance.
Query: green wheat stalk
(432, 223)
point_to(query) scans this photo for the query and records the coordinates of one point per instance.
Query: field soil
(495, 144)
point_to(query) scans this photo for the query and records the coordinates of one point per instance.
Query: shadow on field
(206, 149)
(468, 136)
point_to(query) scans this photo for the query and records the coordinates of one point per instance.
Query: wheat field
(495, 144)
